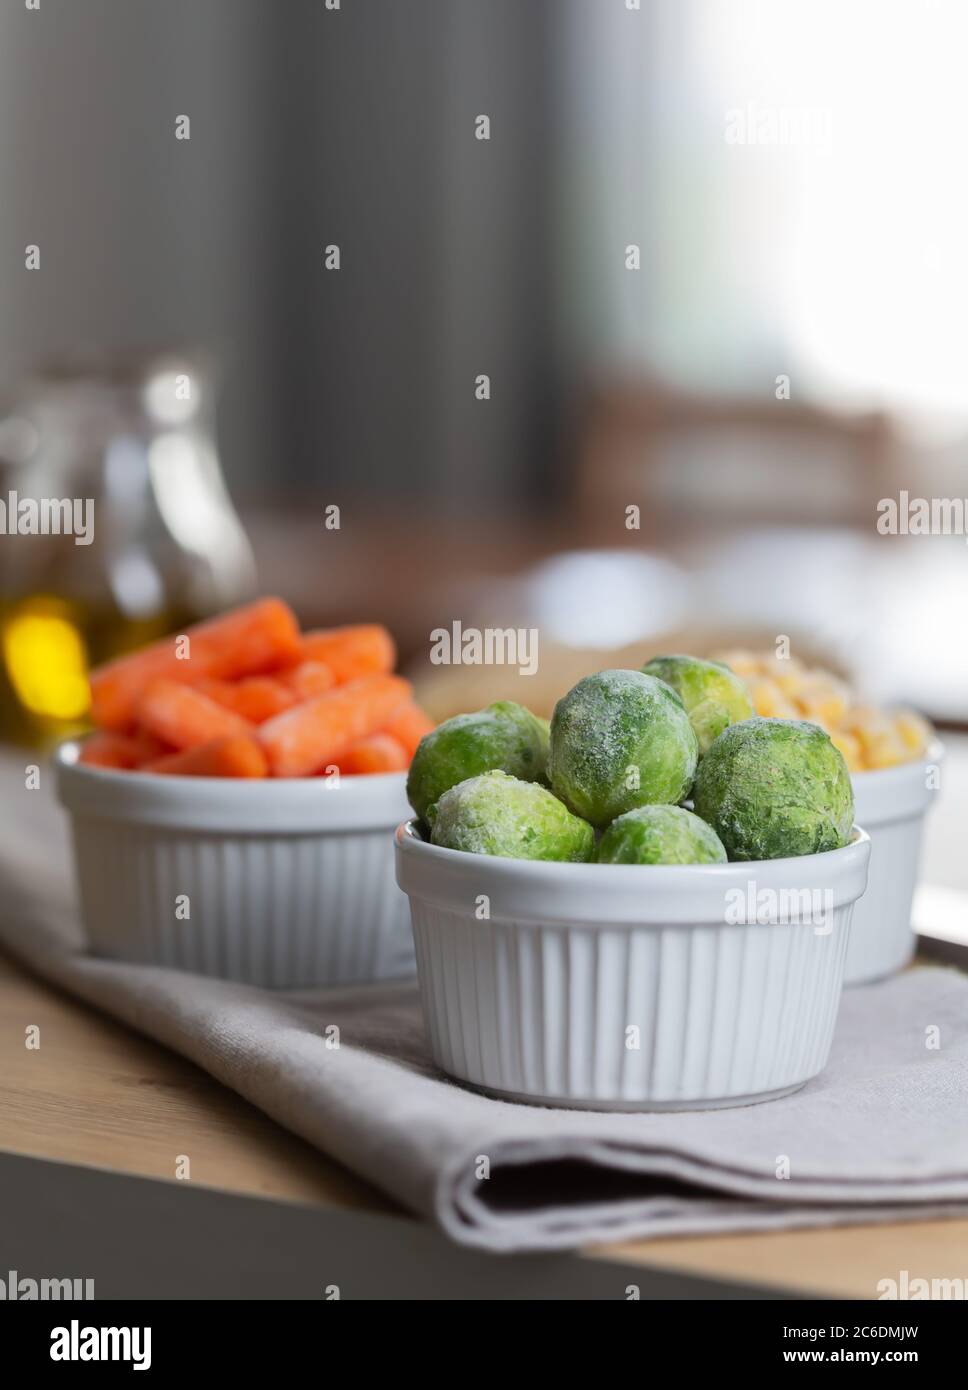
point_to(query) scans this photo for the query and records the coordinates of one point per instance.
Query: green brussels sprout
(713, 695)
(660, 835)
(501, 815)
(773, 788)
(620, 739)
(504, 736)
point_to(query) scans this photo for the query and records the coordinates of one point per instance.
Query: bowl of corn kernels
(893, 756)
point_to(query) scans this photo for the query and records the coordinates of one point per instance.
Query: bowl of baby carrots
(232, 811)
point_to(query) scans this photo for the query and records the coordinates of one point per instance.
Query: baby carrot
(110, 750)
(255, 698)
(377, 753)
(185, 717)
(350, 652)
(121, 750)
(409, 726)
(307, 679)
(150, 746)
(235, 756)
(306, 738)
(249, 640)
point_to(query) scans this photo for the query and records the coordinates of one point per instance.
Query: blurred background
(635, 370)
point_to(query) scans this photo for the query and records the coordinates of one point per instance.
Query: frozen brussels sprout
(620, 739)
(713, 695)
(660, 835)
(504, 736)
(772, 788)
(501, 815)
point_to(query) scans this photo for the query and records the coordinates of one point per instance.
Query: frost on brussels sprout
(772, 788)
(501, 815)
(713, 695)
(620, 739)
(505, 736)
(660, 835)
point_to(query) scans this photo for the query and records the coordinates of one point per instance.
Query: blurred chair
(694, 461)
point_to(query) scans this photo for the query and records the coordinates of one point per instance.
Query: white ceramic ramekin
(286, 884)
(891, 804)
(629, 987)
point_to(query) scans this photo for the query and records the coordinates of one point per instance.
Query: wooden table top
(98, 1095)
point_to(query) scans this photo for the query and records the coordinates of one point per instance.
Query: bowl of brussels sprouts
(644, 905)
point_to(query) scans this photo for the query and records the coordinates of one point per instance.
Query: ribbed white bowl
(623, 986)
(891, 804)
(287, 883)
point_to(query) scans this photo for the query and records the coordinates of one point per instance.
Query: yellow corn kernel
(867, 722)
(771, 703)
(767, 699)
(851, 749)
(886, 750)
(829, 707)
(914, 732)
(813, 713)
(790, 682)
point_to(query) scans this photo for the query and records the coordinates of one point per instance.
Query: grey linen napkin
(881, 1135)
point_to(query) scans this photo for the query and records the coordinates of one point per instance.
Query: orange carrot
(235, 756)
(110, 750)
(319, 731)
(241, 643)
(150, 746)
(377, 753)
(350, 652)
(121, 750)
(186, 718)
(307, 679)
(255, 698)
(409, 726)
